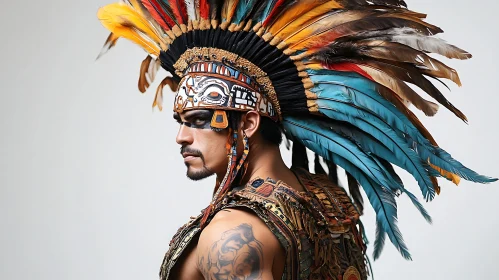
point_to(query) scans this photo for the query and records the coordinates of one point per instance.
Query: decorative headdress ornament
(334, 74)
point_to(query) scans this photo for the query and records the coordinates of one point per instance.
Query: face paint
(204, 151)
(198, 121)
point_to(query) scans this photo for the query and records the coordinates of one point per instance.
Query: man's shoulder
(321, 198)
(237, 220)
(237, 239)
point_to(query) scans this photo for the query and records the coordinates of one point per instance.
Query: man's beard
(200, 174)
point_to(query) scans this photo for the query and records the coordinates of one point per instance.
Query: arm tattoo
(236, 256)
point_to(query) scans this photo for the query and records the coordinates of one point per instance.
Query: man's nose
(184, 135)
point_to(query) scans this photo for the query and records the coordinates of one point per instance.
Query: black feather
(299, 158)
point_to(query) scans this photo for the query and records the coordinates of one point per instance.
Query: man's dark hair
(270, 130)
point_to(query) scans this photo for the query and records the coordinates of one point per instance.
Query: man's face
(202, 148)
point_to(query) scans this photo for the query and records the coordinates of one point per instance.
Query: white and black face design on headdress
(205, 91)
(217, 86)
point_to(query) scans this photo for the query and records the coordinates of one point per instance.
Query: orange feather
(229, 9)
(299, 14)
(124, 21)
(321, 27)
(449, 175)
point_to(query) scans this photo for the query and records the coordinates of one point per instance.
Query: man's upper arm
(237, 245)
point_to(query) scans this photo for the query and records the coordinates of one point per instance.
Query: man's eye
(199, 122)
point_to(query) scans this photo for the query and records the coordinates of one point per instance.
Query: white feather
(191, 9)
(418, 41)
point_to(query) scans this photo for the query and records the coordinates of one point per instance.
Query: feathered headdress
(334, 74)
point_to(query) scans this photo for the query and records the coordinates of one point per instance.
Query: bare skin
(236, 245)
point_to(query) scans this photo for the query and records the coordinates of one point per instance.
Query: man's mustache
(185, 149)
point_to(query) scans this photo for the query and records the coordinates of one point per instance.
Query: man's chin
(197, 175)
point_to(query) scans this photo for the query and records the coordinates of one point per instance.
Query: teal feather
(352, 88)
(379, 240)
(363, 93)
(243, 10)
(270, 9)
(363, 230)
(444, 160)
(344, 148)
(412, 197)
(419, 206)
(365, 121)
(382, 199)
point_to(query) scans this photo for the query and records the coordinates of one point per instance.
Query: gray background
(93, 187)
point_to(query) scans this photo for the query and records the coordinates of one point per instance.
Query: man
(236, 244)
(332, 76)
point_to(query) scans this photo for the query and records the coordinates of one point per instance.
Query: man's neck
(265, 161)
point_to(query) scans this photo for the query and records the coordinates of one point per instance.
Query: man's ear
(251, 123)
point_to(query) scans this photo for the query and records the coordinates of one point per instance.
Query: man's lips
(189, 155)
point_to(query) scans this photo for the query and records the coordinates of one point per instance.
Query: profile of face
(203, 149)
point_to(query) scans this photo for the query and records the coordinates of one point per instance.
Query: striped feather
(412, 38)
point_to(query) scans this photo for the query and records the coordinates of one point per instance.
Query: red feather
(274, 11)
(204, 9)
(158, 14)
(179, 10)
(348, 67)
